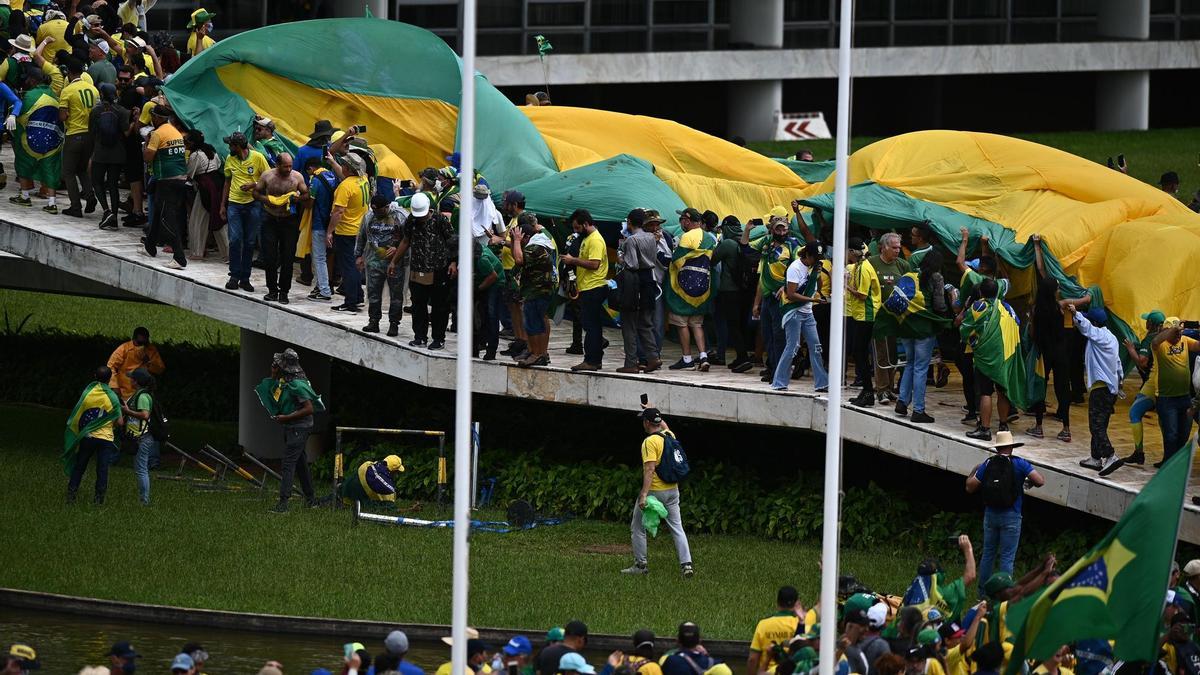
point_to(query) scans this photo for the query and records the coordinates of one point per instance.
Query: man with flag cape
(689, 287)
(37, 139)
(1114, 592)
(291, 401)
(91, 433)
(991, 331)
(372, 481)
(931, 588)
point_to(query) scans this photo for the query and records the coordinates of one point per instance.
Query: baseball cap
(998, 582)
(349, 648)
(25, 655)
(137, 42)
(576, 628)
(123, 650)
(472, 634)
(162, 110)
(101, 45)
(236, 138)
(1097, 316)
(1172, 322)
(419, 206)
(555, 634)
(691, 214)
(182, 662)
(951, 629)
(928, 636)
(1192, 568)
(574, 661)
(519, 644)
(1155, 316)
(859, 601)
(857, 616)
(642, 638)
(877, 615)
(689, 633)
(396, 642)
(1169, 177)
(651, 415)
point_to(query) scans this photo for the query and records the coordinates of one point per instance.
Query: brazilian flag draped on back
(907, 313)
(97, 406)
(991, 330)
(1116, 591)
(42, 134)
(690, 285)
(282, 396)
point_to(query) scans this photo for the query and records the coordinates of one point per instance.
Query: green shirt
(727, 254)
(170, 159)
(270, 148)
(486, 263)
(889, 273)
(141, 402)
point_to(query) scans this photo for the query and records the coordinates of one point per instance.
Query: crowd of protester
(932, 629)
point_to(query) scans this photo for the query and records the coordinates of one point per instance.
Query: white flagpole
(833, 424)
(466, 307)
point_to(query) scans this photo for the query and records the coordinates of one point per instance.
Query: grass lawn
(225, 551)
(111, 318)
(1148, 153)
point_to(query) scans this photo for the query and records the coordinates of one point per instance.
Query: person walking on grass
(291, 402)
(91, 433)
(658, 443)
(137, 415)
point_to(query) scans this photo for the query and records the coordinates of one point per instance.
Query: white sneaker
(636, 568)
(172, 265)
(1092, 463)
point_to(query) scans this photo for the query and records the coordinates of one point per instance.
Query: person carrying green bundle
(291, 401)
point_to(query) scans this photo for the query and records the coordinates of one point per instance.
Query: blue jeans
(918, 351)
(343, 251)
(243, 221)
(1174, 422)
(800, 324)
(320, 262)
(771, 325)
(1001, 534)
(147, 449)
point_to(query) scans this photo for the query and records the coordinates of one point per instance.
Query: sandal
(1064, 436)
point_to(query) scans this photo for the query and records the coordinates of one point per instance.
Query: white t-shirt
(797, 273)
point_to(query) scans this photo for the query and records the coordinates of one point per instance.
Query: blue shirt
(321, 187)
(1023, 468)
(304, 153)
(676, 664)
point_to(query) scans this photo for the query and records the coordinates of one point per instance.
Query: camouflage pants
(377, 278)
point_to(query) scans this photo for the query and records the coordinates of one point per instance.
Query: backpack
(158, 425)
(746, 275)
(1000, 489)
(673, 465)
(108, 124)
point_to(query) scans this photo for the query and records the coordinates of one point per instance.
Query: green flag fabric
(97, 406)
(1116, 591)
(992, 332)
(282, 397)
(906, 314)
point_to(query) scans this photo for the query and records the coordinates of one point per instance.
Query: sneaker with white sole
(687, 570)
(1111, 464)
(636, 568)
(1092, 463)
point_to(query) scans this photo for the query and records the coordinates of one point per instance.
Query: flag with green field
(907, 312)
(991, 330)
(97, 406)
(1115, 592)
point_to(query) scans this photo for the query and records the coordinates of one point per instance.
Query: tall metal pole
(833, 424)
(462, 394)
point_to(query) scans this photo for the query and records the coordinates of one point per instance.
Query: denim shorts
(535, 315)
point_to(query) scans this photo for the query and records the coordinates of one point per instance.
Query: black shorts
(135, 168)
(984, 386)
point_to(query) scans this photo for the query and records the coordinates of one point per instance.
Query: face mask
(208, 27)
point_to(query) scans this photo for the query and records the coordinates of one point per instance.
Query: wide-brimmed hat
(1004, 439)
(23, 43)
(288, 362)
(200, 17)
(323, 129)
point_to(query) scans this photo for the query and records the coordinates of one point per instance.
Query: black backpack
(1000, 486)
(747, 275)
(158, 424)
(108, 124)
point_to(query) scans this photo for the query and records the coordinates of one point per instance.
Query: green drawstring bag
(653, 514)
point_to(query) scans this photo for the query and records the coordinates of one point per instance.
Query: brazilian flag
(97, 407)
(906, 313)
(690, 282)
(991, 329)
(281, 396)
(1115, 592)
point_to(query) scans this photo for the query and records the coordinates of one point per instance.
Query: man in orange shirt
(137, 353)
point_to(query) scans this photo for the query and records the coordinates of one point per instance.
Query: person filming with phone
(664, 465)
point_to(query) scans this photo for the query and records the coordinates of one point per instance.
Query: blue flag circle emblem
(902, 295)
(88, 416)
(694, 277)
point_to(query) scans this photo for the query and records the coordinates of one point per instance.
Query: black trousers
(435, 295)
(295, 462)
(734, 308)
(279, 236)
(168, 219)
(965, 361)
(860, 349)
(104, 182)
(1055, 361)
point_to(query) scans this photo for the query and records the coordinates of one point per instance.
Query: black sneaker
(90, 205)
(320, 297)
(244, 284)
(516, 347)
(232, 284)
(437, 344)
(345, 307)
(1111, 464)
(703, 365)
(901, 409)
(920, 417)
(417, 342)
(970, 419)
(73, 212)
(109, 221)
(742, 367)
(864, 400)
(394, 330)
(283, 299)
(682, 365)
(271, 297)
(1138, 457)
(575, 349)
(980, 434)
(716, 360)
(371, 327)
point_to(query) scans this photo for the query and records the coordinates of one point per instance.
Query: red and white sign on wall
(801, 127)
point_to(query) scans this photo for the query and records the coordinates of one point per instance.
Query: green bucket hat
(929, 636)
(997, 583)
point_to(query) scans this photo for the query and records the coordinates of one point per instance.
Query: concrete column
(1123, 97)
(352, 8)
(754, 105)
(256, 432)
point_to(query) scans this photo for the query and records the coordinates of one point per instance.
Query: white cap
(877, 615)
(101, 45)
(1192, 568)
(419, 206)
